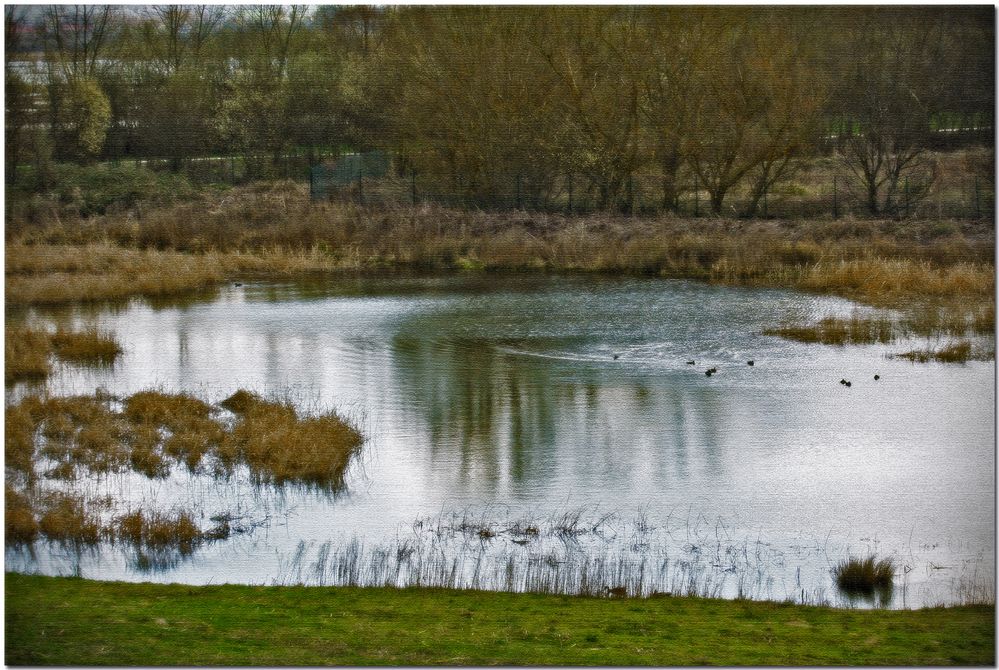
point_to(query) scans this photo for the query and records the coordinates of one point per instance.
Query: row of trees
(719, 97)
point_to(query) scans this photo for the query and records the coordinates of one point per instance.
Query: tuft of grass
(87, 346)
(159, 530)
(864, 575)
(240, 401)
(26, 354)
(957, 352)
(280, 446)
(67, 518)
(834, 330)
(19, 440)
(20, 524)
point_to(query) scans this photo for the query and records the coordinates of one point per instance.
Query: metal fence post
(518, 191)
(413, 180)
(697, 197)
(978, 203)
(570, 194)
(765, 212)
(360, 180)
(835, 196)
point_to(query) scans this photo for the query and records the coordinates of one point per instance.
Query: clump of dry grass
(280, 446)
(159, 530)
(81, 431)
(20, 524)
(192, 432)
(26, 354)
(834, 330)
(87, 346)
(956, 352)
(864, 575)
(68, 518)
(19, 440)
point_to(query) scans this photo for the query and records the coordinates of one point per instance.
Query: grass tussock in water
(957, 352)
(69, 518)
(20, 524)
(28, 351)
(834, 330)
(280, 446)
(26, 354)
(864, 575)
(91, 345)
(159, 530)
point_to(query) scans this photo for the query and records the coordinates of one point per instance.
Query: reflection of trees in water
(512, 418)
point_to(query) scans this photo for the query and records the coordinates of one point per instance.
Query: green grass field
(63, 621)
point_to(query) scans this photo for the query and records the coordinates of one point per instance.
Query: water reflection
(537, 393)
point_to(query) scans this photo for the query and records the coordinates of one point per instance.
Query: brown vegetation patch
(68, 518)
(87, 346)
(20, 524)
(833, 330)
(957, 352)
(280, 446)
(159, 530)
(26, 354)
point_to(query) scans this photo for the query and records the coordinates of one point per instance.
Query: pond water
(497, 406)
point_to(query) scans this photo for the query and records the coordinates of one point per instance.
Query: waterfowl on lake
(237, 284)
(709, 372)
(713, 370)
(750, 362)
(848, 384)
(616, 357)
(842, 381)
(691, 362)
(877, 377)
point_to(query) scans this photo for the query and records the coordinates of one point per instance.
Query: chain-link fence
(823, 187)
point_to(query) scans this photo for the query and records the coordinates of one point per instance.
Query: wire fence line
(372, 180)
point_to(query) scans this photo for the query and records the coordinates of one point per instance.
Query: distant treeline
(703, 97)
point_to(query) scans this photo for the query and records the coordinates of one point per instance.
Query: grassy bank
(59, 621)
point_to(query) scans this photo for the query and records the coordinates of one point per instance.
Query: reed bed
(273, 230)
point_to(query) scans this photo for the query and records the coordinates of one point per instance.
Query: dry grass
(273, 229)
(19, 440)
(957, 352)
(280, 446)
(833, 330)
(27, 350)
(26, 354)
(87, 346)
(154, 429)
(68, 518)
(864, 575)
(20, 524)
(159, 530)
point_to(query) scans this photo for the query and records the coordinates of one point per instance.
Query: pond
(547, 432)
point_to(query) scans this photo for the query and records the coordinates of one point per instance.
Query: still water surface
(505, 399)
